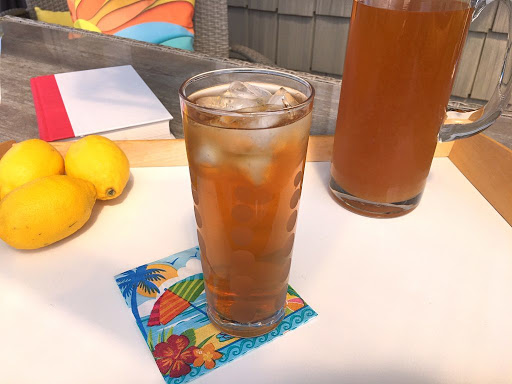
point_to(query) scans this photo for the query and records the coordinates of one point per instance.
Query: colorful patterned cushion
(60, 18)
(166, 22)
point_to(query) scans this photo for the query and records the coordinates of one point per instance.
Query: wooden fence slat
(256, 23)
(485, 20)
(237, 3)
(468, 64)
(501, 20)
(340, 8)
(294, 42)
(263, 32)
(262, 5)
(330, 44)
(490, 66)
(297, 7)
(238, 20)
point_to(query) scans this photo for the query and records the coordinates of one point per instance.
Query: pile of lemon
(45, 198)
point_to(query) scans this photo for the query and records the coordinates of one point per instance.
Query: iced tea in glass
(246, 134)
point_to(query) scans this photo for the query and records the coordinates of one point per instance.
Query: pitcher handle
(461, 125)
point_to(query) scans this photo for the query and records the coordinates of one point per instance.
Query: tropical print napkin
(168, 302)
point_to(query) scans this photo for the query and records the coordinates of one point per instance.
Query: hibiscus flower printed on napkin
(168, 302)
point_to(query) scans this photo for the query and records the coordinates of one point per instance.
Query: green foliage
(150, 340)
(191, 336)
(292, 291)
(167, 333)
(202, 343)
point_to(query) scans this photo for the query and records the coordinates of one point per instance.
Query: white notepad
(114, 102)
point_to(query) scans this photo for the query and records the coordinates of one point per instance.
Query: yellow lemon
(27, 161)
(45, 211)
(100, 161)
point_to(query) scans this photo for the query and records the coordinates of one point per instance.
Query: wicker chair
(210, 25)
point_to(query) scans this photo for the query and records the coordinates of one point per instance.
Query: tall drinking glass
(246, 133)
(400, 65)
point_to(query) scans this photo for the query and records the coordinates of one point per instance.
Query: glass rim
(224, 112)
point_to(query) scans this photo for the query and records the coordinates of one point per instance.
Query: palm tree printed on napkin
(143, 278)
(168, 302)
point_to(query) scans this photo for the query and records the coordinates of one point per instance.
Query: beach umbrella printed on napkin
(175, 300)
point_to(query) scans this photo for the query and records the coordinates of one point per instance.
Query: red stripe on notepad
(52, 118)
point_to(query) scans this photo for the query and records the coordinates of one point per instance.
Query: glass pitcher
(400, 66)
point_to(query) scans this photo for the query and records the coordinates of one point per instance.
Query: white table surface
(425, 298)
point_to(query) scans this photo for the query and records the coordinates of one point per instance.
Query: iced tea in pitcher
(398, 75)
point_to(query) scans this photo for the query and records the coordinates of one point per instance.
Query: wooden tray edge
(487, 164)
(146, 153)
(5, 146)
(168, 153)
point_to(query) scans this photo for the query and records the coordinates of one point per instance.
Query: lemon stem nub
(111, 192)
